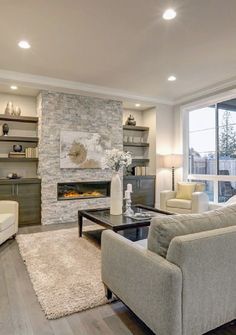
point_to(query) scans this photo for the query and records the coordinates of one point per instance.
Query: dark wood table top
(103, 217)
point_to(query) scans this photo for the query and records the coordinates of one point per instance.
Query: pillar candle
(129, 187)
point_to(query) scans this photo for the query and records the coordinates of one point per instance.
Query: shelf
(135, 128)
(22, 180)
(26, 119)
(132, 144)
(140, 160)
(18, 139)
(11, 159)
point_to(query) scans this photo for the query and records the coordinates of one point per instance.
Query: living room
(117, 167)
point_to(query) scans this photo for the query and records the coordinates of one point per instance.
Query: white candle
(127, 194)
(129, 187)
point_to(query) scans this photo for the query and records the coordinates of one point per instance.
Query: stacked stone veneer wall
(60, 111)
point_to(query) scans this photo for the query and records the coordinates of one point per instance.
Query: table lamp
(173, 161)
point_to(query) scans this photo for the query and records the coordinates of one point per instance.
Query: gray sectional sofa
(182, 280)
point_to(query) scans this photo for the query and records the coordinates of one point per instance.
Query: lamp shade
(173, 160)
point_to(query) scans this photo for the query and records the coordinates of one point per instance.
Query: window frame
(185, 110)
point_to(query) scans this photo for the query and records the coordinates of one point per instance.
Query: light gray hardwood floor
(20, 312)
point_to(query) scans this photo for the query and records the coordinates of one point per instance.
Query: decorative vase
(130, 121)
(17, 148)
(9, 108)
(16, 111)
(116, 195)
(5, 129)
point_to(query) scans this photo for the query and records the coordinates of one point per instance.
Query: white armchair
(197, 203)
(9, 215)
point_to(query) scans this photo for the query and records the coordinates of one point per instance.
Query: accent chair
(189, 198)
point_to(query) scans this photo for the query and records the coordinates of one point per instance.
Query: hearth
(83, 190)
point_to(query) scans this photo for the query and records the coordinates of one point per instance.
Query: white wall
(149, 120)
(28, 108)
(164, 145)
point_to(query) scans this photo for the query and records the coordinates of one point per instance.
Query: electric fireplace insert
(83, 190)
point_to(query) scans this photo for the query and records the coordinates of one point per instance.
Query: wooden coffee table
(102, 217)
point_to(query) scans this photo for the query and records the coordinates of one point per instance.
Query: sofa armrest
(164, 196)
(144, 281)
(208, 263)
(8, 206)
(200, 202)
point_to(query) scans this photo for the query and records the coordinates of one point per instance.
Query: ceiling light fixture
(169, 14)
(14, 87)
(137, 105)
(24, 45)
(172, 78)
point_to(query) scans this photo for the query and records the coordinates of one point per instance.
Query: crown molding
(208, 91)
(66, 86)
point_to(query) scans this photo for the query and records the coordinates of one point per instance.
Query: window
(212, 149)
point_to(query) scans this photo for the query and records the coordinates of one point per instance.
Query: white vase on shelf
(116, 195)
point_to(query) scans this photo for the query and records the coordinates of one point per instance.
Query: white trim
(207, 91)
(43, 82)
(205, 102)
(212, 177)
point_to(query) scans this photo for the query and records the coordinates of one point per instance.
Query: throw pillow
(185, 190)
(163, 229)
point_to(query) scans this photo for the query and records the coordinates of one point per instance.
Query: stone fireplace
(69, 112)
(83, 190)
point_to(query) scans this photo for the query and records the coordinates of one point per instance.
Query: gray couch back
(164, 229)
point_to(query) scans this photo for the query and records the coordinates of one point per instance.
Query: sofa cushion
(179, 203)
(164, 229)
(6, 220)
(185, 190)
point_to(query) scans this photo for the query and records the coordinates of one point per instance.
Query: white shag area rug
(65, 270)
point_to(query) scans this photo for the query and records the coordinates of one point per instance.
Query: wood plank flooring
(20, 312)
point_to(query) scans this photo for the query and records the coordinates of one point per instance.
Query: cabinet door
(7, 192)
(147, 191)
(29, 198)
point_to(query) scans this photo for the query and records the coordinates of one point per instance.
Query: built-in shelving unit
(19, 139)
(135, 141)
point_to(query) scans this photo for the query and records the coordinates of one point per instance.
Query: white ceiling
(122, 44)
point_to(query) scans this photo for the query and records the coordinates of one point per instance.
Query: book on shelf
(31, 152)
(140, 171)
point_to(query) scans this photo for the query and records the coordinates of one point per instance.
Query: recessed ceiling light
(169, 14)
(137, 105)
(24, 45)
(14, 87)
(172, 78)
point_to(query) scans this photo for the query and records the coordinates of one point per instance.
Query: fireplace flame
(72, 194)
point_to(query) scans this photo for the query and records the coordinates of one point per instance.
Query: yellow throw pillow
(185, 190)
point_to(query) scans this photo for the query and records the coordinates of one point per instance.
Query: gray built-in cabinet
(143, 189)
(28, 194)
